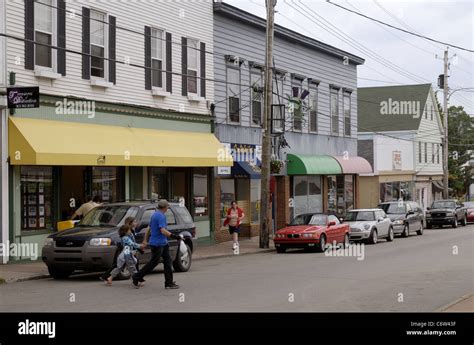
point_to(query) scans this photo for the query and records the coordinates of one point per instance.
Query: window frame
(313, 94)
(163, 57)
(53, 34)
(420, 154)
(106, 44)
(433, 153)
(297, 82)
(347, 95)
(277, 82)
(426, 152)
(438, 153)
(198, 65)
(334, 92)
(239, 94)
(256, 72)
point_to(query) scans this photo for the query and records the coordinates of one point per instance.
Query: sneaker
(234, 246)
(173, 285)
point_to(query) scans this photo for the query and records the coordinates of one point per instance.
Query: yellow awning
(45, 142)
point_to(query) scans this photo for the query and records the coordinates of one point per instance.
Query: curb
(44, 276)
(459, 300)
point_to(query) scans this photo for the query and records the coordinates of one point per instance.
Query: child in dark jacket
(127, 256)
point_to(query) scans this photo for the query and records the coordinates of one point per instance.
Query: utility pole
(265, 216)
(445, 118)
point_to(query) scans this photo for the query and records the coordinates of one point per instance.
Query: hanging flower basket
(275, 166)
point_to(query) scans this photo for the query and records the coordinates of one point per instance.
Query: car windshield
(108, 216)
(359, 216)
(393, 208)
(443, 204)
(309, 219)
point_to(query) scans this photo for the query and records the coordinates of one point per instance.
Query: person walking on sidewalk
(234, 216)
(158, 243)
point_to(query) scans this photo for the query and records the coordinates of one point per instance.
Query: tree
(461, 147)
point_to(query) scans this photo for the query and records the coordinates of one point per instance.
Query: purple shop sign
(23, 97)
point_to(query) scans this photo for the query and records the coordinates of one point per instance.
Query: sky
(412, 60)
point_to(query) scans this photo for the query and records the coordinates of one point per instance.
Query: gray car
(91, 245)
(369, 225)
(407, 217)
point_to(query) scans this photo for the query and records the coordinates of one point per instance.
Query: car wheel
(390, 235)
(59, 273)
(183, 264)
(281, 250)
(420, 232)
(373, 237)
(464, 221)
(455, 224)
(321, 247)
(346, 243)
(406, 231)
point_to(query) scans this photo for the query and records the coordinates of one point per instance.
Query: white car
(369, 225)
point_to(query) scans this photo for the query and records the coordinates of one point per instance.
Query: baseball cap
(163, 203)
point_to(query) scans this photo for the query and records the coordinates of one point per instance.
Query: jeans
(107, 273)
(130, 262)
(156, 253)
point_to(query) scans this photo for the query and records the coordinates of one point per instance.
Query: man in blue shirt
(158, 243)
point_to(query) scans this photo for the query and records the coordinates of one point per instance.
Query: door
(411, 218)
(335, 232)
(383, 224)
(141, 230)
(418, 215)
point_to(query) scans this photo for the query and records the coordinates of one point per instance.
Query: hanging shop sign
(23, 97)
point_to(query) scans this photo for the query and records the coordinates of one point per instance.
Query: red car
(469, 211)
(312, 231)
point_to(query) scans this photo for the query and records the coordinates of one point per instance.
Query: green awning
(312, 165)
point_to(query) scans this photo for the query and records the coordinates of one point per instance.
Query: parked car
(369, 225)
(90, 246)
(406, 217)
(446, 212)
(312, 231)
(469, 211)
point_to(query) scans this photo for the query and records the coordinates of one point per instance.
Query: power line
(400, 29)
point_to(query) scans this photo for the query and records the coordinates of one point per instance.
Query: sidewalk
(464, 304)
(18, 272)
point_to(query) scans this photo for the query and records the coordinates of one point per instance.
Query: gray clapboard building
(315, 136)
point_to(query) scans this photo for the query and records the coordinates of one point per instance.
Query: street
(422, 268)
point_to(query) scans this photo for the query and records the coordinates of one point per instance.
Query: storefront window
(307, 194)
(406, 190)
(255, 189)
(332, 188)
(200, 193)
(340, 194)
(242, 195)
(136, 183)
(107, 182)
(227, 196)
(392, 191)
(36, 197)
(159, 184)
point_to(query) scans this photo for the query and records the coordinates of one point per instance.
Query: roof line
(251, 19)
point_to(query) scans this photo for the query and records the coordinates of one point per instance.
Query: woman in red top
(234, 216)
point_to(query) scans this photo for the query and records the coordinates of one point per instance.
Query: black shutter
(29, 34)
(86, 46)
(61, 53)
(169, 63)
(147, 58)
(112, 44)
(184, 66)
(203, 69)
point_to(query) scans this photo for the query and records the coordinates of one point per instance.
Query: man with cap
(158, 242)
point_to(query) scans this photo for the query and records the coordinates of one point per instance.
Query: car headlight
(449, 214)
(366, 226)
(100, 241)
(398, 222)
(428, 215)
(308, 235)
(48, 242)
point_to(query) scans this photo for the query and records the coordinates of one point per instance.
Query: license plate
(311, 244)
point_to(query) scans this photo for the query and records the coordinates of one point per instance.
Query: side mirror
(341, 220)
(410, 212)
(141, 227)
(428, 208)
(332, 223)
(381, 219)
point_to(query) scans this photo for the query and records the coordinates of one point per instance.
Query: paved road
(422, 268)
